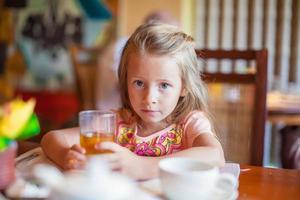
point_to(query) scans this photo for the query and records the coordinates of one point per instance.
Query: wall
(133, 12)
(255, 24)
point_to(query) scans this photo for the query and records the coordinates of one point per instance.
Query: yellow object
(14, 117)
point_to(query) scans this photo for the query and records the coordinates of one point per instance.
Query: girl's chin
(150, 118)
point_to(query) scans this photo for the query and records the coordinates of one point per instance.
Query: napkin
(26, 162)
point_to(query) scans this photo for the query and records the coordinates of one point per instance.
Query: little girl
(164, 110)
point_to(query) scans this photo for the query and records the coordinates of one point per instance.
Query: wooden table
(283, 108)
(286, 116)
(268, 183)
(257, 183)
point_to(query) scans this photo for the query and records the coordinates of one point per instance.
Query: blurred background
(43, 44)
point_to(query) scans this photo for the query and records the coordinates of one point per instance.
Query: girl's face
(154, 87)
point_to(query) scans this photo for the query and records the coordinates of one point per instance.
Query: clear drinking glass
(95, 127)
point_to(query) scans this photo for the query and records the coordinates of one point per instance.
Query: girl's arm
(56, 144)
(205, 148)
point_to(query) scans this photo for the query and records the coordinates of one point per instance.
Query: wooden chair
(237, 100)
(84, 62)
(94, 73)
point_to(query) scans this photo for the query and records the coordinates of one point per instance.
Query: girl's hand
(125, 161)
(75, 158)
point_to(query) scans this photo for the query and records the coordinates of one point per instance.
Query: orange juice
(89, 140)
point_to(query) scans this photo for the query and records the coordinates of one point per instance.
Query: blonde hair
(167, 40)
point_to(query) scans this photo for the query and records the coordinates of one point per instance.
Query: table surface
(268, 183)
(254, 182)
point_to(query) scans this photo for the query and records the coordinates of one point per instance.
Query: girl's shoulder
(197, 120)
(194, 115)
(195, 124)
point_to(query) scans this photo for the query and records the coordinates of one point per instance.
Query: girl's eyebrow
(165, 80)
(136, 77)
(157, 80)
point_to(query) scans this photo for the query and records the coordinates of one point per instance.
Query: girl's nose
(150, 96)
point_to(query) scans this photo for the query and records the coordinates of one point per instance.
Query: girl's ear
(183, 92)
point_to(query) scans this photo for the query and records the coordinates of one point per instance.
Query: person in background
(107, 88)
(164, 109)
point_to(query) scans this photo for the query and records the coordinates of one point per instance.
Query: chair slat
(228, 78)
(223, 54)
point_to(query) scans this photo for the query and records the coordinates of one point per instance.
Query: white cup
(187, 178)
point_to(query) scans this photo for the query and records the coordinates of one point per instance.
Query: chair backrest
(84, 62)
(237, 90)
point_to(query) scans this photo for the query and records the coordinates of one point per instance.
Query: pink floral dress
(173, 138)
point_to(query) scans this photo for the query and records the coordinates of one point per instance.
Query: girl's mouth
(149, 111)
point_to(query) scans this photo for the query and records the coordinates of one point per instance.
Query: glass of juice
(96, 126)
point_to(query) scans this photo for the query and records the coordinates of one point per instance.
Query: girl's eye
(164, 85)
(138, 83)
